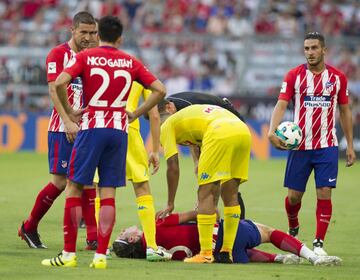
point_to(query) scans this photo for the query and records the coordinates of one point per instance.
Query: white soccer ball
(290, 133)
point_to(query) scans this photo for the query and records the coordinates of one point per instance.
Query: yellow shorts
(137, 169)
(225, 152)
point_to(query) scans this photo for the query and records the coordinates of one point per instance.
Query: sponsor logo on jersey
(283, 87)
(52, 68)
(317, 101)
(102, 61)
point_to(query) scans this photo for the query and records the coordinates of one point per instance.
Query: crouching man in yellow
(137, 170)
(224, 143)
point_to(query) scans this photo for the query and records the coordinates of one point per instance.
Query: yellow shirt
(188, 126)
(137, 90)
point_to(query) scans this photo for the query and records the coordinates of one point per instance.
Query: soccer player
(181, 100)
(177, 234)
(223, 164)
(101, 137)
(84, 33)
(315, 89)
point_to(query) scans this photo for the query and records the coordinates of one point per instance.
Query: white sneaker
(287, 259)
(318, 247)
(326, 261)
(157, 256)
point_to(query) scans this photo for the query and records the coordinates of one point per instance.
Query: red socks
(72, 216)
(260, 256)
(43, 202)
(323, 216)
(88, 212)
(292, 213)
(106, 224)
(285, 242)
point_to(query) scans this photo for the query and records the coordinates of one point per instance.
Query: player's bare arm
(346, 124)
(63, 107)
(154, 118)
(158, 92)
(172, 174)
(276, 118)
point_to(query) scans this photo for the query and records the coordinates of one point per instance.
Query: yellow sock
(97, 209)
(146, 212)
(231, 223)
(205, 224)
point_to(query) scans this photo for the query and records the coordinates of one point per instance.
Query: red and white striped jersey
(181, 240)
(315, 97)
(56, 61)
(107, 74)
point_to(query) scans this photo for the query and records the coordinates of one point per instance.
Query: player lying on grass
(179, 235)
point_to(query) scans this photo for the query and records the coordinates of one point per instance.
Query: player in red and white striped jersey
(83, 34)
(101, 137)
(178, 233)
(315, 89)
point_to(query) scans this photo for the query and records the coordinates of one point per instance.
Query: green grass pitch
(22, 175)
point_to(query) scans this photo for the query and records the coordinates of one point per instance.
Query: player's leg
(72, 216)
(59, 150)
(111, 164)
(137, 171)
(232, 211)
(298, 170)
(206, 218)
(88, 211)
(326, 171)
(234, 163)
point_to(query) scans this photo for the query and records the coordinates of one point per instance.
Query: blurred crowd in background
(229, 48)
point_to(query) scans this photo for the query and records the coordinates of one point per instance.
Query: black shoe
(32, 238)
(223, 257)
(91, 245)
(293, 232)
(82, 223)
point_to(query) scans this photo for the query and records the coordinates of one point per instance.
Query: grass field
(22, 175)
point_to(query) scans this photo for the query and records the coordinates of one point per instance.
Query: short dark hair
(83, 17)
(110, 29)
(162, 105)
(124, 249)
(317, 36)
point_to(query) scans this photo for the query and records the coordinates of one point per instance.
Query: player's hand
(71, 130)
(131, 116)
(154, 161)
(75, 115)
(276, 142)
(166, 212)
(350, 157)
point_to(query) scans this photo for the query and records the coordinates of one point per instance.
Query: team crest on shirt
(64, 164)
(283, 87)
(71, 62)
(329, 87)
(51, 67)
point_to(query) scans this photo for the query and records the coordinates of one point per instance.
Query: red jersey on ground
(107, 74)
(56, 61)
(181, 240)
(315, 97)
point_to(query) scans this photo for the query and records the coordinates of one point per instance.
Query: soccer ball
(290, 133)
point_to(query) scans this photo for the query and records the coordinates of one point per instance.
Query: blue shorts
(59, 151)
(299, 165)
(247, 237)
(104, 148)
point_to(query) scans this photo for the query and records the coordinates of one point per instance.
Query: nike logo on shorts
(332, 180)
